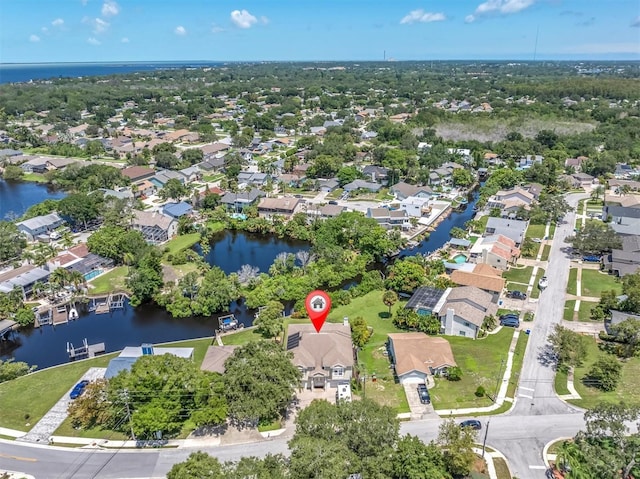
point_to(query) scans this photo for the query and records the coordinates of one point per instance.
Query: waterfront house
(416, 356)
(215, 358)
(404, 190)
(23, 278)
(513, 229)
(625, 260)
(236, 202)
(509, 201)
(129, 355)
(155, 227)
(177, 210)
(497, 251)
(137, 173)
(390, 219)
(416, 206)
(270, 207)
(40, 225)
(325, 358)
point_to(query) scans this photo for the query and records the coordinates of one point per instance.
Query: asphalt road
(537, 417)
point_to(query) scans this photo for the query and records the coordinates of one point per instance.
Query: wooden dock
(60, 315)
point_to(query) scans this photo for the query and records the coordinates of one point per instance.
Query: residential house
(212, 165)
(404, 190)
(23, 278)
(137, 173)
(624, 171)
(129, 355)
(144, 188)
(416, 356)
(497, 251)
(483, 277)
(510, 201)
(121, 193)
(617, 185)
(35, 165)
(425, 300)
(582, 179)
(291, 180)
(575, 163)
(327, 186)
(618, 317)
(377, 174)
(213, 150)
(416, 206)
(325, 211)
(390, 219)
(155, 227)
(270, 207)
(252, 179)
(215, 358)
(368, 135)
(162, 177)
(192, 173)
(9, 153)
(623, 220)
(324, 358)
(238, 201)
(362, 185)
(528, 161)
(513, 229)
(177, 210)
(40, 225)
(464, 310)
(625, 260)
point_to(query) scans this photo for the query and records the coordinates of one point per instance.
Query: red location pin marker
(318, 305)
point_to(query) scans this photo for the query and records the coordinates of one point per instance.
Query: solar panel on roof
(425, 297)
(293, 341)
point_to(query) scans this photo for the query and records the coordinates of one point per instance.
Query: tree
(10, 369)
(597, 192)
(12, 173)
(81, 207)
(210, 201)
(414, 459)
(456, 232)
(568, 346)
(269, 321)
(145, 280)
(173, 189)
(458, 443)
(389, 298)
(594, 238)
(199, 465)
(462, 177)
(260, 382)
(631, 289)
(627, 333)
(606, 372)
(405, 276)
(215, 293)
(93, 407)
(11, 241)
(360, 332)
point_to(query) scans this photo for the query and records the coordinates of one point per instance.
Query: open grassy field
(109, 282)
(481, 364)
(182, 242)
(594, 283)
(628, 390)
(518, 275)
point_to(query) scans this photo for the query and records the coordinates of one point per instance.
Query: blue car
(591, 258)
(78, 389)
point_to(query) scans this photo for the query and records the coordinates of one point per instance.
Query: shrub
(454, 373)
(480, 392)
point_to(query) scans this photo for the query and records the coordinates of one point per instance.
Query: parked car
(332, 202)
(78, 389)
(592, 258)
(472, 423)
(516, 295)
(543, 283)
(536, 240)
(423, 393)
(510, 322)
(509, 316)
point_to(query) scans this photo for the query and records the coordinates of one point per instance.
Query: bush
(341, 297)
(454, 373)
(360, 332)
(606, 373)
(480, 392)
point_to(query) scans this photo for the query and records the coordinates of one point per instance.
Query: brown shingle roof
(419, 352)
(137, 172)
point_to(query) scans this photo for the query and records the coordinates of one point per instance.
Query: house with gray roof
(23, 278)
(618, 317)
(625, 260)
(40, 225)
(404, 190)
(624, 220)
(325, 358)
(390, 219)
(129, 355)
(377, 174)
(513, 229)
(462, 310)
(329, 185)
(252, 178)
(238, 201)
(162, 177)
(155, 227)
(362, 185)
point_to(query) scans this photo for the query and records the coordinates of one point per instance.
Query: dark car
(333, 202)
(516, 295)
(423, 393)
(509, 316)
(472, 423)
(510, 322)
(592, 258)
(78, 389)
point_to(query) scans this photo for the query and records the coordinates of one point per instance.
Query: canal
(46, 346)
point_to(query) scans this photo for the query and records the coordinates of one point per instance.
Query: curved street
(538, 416)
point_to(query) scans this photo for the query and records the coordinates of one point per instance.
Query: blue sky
(220, 30)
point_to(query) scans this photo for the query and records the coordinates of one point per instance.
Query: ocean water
(25, 72)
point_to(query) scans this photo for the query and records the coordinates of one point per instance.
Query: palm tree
(597, 192)
(76, 278)
(37, 288)
(59, 277)
(29, 256)
(128, 259)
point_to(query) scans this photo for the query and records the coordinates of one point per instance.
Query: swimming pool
(460, 258)
(92, 274)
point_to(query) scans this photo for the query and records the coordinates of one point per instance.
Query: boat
(543, 283)
(73, 313)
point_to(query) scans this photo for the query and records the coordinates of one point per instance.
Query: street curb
(545, 449)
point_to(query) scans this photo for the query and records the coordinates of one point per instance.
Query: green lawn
(109, 282)
(594, 283)
(568, 309)
(628, 389)
(480, 361)
(335, 194)
(182, 242)
(535, 292)
(546, 251)
(26, 399)
(536, 231)
(572, 283)
(584, 313)
(518, 357)
(37, 177)
(518, 275)
(241, 337)
(385, 390)
(560, 382)
(212, 178)
(552, 231)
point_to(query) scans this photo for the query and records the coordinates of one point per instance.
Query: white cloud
(97, 24)
(243, 19)
(423, 17)
(110, 8)
(636, 22)
(180, 30)
(44, 30)
(34, 38)
(124, 40)
(93, 41)
(216, 28)
(504, 7)
(58, 22)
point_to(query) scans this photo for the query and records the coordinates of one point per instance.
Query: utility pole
(495, 395)
(125, 396)
(484, 441)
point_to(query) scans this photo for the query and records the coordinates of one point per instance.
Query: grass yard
(480, 361)
(335, 194)
(371, 358)
(568, 309)
(594, 283)
(241, 337)
(502, 470)
(628, 389)
(26, 399)
(36, 177)
(560, 382)
(535, 292)
(536, 231)
(212, 178)
(552, 230)
(546, 251)
(518, 275)
(182, 242)
(572, 283)
(109, 282)
(584, 313)
(518, 357)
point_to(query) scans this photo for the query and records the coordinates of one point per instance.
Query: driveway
(418, 410)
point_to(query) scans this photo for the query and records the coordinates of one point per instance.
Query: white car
(536, 240)
(543, 283)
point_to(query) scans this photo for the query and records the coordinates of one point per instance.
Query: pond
(17, 196)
